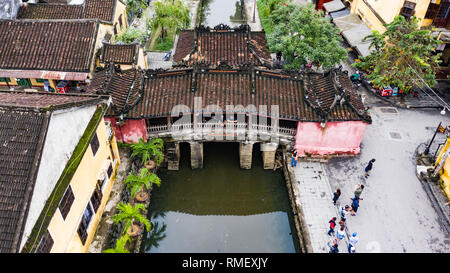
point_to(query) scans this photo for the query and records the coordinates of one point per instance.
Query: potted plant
(132, 217)
(135, 184)
(120, 245)
(149, 151)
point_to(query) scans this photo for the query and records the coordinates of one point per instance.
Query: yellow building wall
(387, 10)
(142, 59)
(120, 10)
(446, 178)
(83, 183)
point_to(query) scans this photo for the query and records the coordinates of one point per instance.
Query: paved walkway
(315, 197)
(250, 10)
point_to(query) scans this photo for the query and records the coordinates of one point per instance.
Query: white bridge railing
(226, 128)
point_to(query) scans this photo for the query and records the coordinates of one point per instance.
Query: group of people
(343, 212)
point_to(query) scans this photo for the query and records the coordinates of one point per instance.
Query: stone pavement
(251, 9)
(315, 196)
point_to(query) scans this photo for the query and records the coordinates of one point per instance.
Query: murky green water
(215, 12)
(221, 208)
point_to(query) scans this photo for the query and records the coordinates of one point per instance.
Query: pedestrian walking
(294, 159)
(336, 195)
(332, 223)
(340, 234)
(358, 190)
(343, 212)
(363, 98)
(369, 167)
(352, 242)
(355, 204)
(333, 246)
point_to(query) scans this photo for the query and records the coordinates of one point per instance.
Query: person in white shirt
(352, 241)
(340, 234)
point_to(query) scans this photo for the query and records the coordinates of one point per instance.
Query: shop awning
(354, 31)
(334, 5)
(41, 74)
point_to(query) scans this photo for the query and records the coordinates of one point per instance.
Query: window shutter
(66, 202)
(46, 243)
(95, 144)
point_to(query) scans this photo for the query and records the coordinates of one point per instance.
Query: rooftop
(300, 97)
(24, 119)
(102, 10)
(124, 87)
(222, 44)
(56, 45)
(120, 53)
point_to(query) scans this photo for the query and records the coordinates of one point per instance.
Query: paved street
(395, 214)
(315, 198)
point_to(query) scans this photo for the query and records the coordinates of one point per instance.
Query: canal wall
(300, 223)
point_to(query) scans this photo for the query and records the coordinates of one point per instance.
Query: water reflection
(229, 12)
(220, 208)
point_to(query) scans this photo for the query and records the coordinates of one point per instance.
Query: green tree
(153, 149)
(120, 245)
(303, 34)
(129, 215)
(135, 183)
(402, 54)
(170, 16)
(130, 35)
(134, 5)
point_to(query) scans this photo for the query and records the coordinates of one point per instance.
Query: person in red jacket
(332, 223)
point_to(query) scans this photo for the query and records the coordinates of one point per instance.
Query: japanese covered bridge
(222, 87)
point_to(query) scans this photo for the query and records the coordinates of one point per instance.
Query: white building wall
(65, 130)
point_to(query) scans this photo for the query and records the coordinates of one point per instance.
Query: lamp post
(427, 150)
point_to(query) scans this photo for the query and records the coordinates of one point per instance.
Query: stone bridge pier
(268, 154)
(268, 151)
(245, 155)
(196, 155)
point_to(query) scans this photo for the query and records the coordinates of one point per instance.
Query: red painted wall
(337, 138)
(131, 131)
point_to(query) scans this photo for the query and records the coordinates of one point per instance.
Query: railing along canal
(227, 128)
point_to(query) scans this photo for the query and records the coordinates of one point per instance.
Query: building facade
(59, 160)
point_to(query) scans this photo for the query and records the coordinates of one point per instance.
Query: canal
(229, 12)
(220, 208)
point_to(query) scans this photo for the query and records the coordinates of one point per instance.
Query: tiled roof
(100, 9)
(120, 54)
(125, 88)
(24, 121)
(333, 97)
(21, 135)
(47, 45)
(165, 89)
(42, 100)
(91, 9)
(54, 11)
(210, 47)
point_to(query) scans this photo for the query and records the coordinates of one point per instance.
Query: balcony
(208, 130)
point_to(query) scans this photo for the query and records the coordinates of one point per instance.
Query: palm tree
(120, 245)
(129, 215)
(148, 150)
(135, 183)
